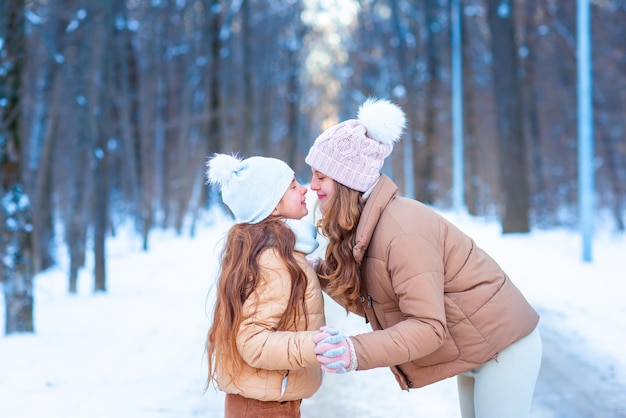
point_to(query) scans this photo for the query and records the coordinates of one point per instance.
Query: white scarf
(305, 233)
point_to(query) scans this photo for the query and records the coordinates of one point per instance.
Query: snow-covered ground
(137, 351)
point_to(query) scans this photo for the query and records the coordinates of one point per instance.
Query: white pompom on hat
(251, 188)
(353, 152)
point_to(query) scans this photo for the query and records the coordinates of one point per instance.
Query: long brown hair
(239, 277)
(339, 225)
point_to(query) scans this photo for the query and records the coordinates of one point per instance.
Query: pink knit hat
(353, 152)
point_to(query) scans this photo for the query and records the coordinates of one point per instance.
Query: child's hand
(334, 350)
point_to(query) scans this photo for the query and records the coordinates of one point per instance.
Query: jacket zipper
(369, 305)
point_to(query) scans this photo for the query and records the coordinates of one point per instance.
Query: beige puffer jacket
(441, 304)
(270, 355)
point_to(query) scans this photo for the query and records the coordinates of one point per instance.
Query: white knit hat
(251, 188)
(353, 152)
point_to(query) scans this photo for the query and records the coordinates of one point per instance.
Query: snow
(137, 350)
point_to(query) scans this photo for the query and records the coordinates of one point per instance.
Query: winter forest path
(571, 386)
(138, 352)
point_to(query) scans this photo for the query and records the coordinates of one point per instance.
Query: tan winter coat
(271, 355)
(443, 306)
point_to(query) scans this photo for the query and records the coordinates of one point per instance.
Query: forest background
(109, 109)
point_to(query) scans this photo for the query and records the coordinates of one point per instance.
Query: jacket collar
(384, 191)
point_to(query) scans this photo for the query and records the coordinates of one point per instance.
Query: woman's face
(293, 203)
(324, 187)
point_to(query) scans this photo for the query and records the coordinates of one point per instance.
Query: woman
(439, 305)
(269, 306)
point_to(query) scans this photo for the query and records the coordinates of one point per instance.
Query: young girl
(269, 304)
(439, 304)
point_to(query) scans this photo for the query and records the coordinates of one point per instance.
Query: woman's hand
(334, 351)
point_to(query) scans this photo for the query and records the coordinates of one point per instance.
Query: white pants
(503, 387)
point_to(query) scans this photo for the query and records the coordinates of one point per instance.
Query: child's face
(293, 203)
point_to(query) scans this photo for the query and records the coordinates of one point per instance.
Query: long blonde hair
(239, 277)
(339, 225)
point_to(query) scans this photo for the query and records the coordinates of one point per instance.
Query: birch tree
(16, 258)
(508, 110)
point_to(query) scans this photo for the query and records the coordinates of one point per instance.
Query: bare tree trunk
(126, 105)
(158, 139)
(230, 77)
(248, 41)
(427, 166)
(16, 263)
(78, 215)
(508, 100)
(185, 82)
(76, 225)
(539, 192)
(558, 87)
(293, 113)
(101, 218)
(38, 164)
(472, 160)
(16, 272)
(44, 188)
(148, 80)
(199, 197)
(216, 141)
(101, 59)
(412, 101)
(616, 180)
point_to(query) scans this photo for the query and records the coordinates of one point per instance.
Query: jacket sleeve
(416, 271)
(258, 342)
